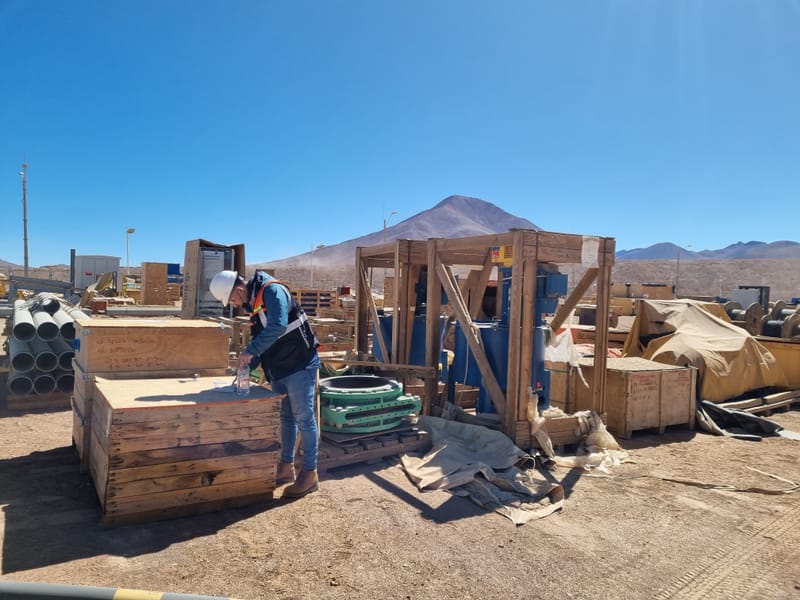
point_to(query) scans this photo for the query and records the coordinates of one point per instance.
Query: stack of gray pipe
(40, 346)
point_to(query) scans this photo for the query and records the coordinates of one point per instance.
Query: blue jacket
(281, 338)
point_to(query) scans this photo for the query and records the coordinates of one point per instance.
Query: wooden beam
(574, 298)
(473, 338)
(479, 289)
(377, 332)
(515, 381)
(433, 348)
(528, 326)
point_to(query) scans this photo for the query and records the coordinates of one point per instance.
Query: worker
(285, 346)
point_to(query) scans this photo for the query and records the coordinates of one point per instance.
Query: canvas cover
(685, 332)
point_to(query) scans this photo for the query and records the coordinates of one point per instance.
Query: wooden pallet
(54, 401)
(765, 404)
(369, 450)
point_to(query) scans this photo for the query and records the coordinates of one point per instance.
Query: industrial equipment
(550, 287)
(364, 403)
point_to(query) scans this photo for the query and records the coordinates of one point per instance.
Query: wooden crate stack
(163, 448)
(137, 349)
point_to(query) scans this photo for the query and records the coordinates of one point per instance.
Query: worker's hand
(244, 360)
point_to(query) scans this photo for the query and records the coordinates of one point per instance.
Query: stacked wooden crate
(169, 447)
(137, 349)
(313, 300)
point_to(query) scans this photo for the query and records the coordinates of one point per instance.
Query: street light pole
(386, 223)
(128, 233)
(25, 214)
(312, 263)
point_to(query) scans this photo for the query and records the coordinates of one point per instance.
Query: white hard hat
(222, 284)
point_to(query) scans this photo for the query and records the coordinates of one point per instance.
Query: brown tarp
(685, 332)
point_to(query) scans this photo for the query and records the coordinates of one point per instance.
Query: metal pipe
(22, 359)
(20, 383)
(24, 590)
(24, 328)
(65, 380)
(66, 323)
(63, 351)
(43, 383)
(45, 359)
(46, 327)
(77, 314)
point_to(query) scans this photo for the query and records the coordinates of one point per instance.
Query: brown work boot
(306, 483)
(285, 473)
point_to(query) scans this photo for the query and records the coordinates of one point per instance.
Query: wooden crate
(136, 344)
(169, 447)
(313, 300)
(84, 391)
(640, 394)
(154, 283)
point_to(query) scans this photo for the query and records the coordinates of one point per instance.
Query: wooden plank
(240, 448)
(156, 485)
(174, 512)
(174, 498)
(574, 298)
(119, 445)
(433, 342)
(517, 382)
(181, 427)
(182, 467)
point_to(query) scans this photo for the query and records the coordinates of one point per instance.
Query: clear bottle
(243, 381)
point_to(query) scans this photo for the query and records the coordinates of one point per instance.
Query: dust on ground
(676, 523)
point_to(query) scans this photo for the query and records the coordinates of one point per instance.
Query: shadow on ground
(49, 504)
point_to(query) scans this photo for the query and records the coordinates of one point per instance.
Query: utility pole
(25, 213)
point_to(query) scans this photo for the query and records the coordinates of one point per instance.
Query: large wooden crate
(135, 344)
(640, 394)
(169, 447)
(83, 398)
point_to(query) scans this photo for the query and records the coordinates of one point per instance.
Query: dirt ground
(678, 522)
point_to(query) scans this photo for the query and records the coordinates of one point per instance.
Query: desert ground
(691, 516)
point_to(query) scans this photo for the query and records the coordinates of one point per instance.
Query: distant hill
(455, 216)
(750, 250)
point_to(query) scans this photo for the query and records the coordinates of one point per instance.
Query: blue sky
(285, 125)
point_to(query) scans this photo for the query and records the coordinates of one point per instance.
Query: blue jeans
(297, 413)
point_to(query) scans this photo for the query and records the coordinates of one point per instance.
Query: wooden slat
(239, 448)
(183, 467)
(174, 498)
(118, 445)
(182, 427)
(190, 481)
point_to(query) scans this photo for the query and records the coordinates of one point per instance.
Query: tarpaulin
(478, 462)
(684, 332)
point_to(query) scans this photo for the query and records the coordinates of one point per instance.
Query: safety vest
(292, 351)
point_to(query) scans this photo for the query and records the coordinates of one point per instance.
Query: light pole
(386, 223)
(25, 214)
(128, 233)
(312, 263)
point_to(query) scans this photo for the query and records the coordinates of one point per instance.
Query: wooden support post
(433, 348)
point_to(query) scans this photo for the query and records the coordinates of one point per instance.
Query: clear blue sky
(285, 125)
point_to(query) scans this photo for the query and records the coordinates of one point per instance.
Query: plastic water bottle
(243, 381)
